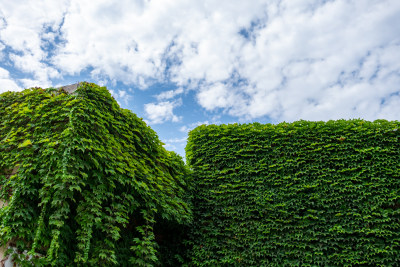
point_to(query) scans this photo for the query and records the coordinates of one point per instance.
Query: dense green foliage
(92, 183)
(296, 194)
(89, 183)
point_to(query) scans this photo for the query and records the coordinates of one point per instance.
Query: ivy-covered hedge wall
(92, 184)
(296, 194)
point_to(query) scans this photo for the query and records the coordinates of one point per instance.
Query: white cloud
(4, 73)
(170, 146)
(29, 83)
(29, 63)
(308, 63)
(134, 40)
(162, 112)
(216, 96)
(187, 128)
(175, 143)
(176, 140)
(23, 29)
(285, 59)
(2, 46)
(122, 95)
(6, 83)
(169, 94)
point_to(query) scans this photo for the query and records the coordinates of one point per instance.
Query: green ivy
(86, 182)
(296, 194)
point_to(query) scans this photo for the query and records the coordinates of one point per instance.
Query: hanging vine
(92, 179)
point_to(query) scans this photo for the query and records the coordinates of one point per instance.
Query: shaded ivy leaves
(296, 194)
(93, 180)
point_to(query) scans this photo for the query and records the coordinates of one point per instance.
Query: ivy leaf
(26, 143)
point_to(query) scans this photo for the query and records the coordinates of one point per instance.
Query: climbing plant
(296, 194)
(85, 182)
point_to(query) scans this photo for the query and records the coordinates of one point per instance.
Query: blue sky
(179, 63)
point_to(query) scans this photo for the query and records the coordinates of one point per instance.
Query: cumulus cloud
(122, 95)
(169, 146)
(24, 29)
(174, 143)
(294, 59)
(282, 59)
(176, 140)
(162, 111)
(2, 46)
(169, 94)
(187, 128)
(6, 83)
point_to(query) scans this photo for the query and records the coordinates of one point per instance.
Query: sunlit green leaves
(88, 172)
(25, 143)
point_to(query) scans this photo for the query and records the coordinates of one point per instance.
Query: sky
(179, 64)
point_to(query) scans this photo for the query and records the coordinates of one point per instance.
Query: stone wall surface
(2, 249)
(6, 262)
(70, 88)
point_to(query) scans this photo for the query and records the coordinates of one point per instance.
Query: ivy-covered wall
(93, 185)
(296, 194)
(89, 183)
